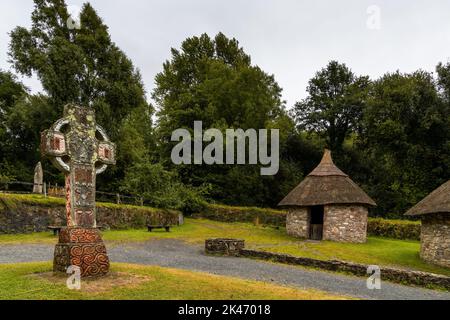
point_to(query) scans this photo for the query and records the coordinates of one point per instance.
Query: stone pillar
(297, 222)
(38, 179)
(345, 223)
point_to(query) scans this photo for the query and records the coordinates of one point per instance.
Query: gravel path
(177, 254)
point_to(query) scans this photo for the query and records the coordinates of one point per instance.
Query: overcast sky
(291, 39)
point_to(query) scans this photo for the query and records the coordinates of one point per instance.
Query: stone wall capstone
(435, 239)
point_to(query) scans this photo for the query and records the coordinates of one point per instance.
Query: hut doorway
(316, 223)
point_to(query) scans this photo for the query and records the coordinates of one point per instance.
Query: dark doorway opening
(316, 223)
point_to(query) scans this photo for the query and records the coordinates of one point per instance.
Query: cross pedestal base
(81, 247)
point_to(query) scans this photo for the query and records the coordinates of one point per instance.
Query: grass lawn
(378, 251)
(36, 281)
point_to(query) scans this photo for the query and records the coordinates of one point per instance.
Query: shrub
(244, 214)
(396, 229)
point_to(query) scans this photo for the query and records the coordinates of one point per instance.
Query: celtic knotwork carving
(91, 259)
(80, 235)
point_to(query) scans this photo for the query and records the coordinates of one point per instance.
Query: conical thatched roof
(436, 202)
(326, 184)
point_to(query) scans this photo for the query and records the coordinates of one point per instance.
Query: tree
(443, 81)
(213, 81)
(11, 93)
(335, 103)
(81, 65)
(405, 139)
(161, 188)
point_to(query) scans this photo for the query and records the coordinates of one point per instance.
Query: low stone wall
(23, 214)
(395, 275)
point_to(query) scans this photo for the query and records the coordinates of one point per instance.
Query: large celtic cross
(81, 149)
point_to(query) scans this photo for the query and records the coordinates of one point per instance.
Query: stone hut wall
(297, 222)
(435, 239)
(345, 223)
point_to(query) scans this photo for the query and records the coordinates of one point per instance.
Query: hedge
(395, 229)
(243, 214)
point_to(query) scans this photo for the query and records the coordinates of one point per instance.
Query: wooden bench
(150, 228)
(55, 229)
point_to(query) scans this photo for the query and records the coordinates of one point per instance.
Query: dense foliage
(391, 135)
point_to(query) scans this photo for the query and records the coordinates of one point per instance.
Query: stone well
(228, 247)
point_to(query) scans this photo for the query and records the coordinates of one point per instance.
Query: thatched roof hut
(328, 205)
(434, 212)
(326, 184)
(436, 202)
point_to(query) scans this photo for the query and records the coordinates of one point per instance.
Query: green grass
(377, 251)
(34, 281)
(12, 199)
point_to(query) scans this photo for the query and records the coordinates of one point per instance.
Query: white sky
(291, 39)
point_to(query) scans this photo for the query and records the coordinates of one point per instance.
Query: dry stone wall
(26, 216)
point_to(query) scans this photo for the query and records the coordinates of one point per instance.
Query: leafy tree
(10, 92)
(335, 103)
(82, 65)
(161, 188)
(13, 95)
(77, 65)
(443, 71)
(213, 81)
(405, 139)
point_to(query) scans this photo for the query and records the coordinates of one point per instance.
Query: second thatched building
(328, 205)
(434, 212)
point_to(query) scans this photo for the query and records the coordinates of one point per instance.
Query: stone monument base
(81, 247)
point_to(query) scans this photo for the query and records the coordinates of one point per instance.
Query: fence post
(118, 198)
(45, 189)
(142, 201)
